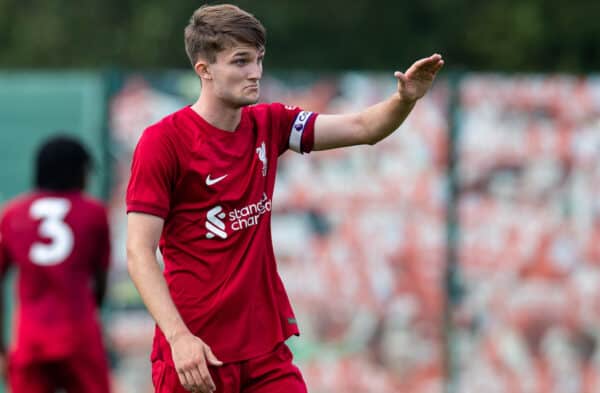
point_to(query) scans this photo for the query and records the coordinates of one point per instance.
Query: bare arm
(100, 278)
(190, 353)
(100, 272)
(143, 233)
(378, 121)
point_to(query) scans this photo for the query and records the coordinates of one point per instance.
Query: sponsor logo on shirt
(214, 223)
(262, 156)
(239, 219)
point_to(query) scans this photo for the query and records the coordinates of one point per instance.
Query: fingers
(201, 383)
(400, 75)
(192, 357)
(183, 379)
(433, 59)
(439, 63)
(207, 380)
(202, 375)
(211, 358)
(196, 379)
(402, 80)
(427, 61)
(431, 64)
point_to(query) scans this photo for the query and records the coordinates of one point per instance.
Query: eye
(240, 62)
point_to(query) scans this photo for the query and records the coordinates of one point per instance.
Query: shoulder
(92, 209)
(92, 203)
(158, 133)
(158, 140)
(16, 210)
(170, 131)
(274, 110)
(17, 204)
(272, 107)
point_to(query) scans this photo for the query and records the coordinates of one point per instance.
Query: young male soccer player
(201, 186)
(58, 240)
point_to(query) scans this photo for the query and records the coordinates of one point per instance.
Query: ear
(202, 68)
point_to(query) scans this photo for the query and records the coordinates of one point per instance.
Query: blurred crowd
(360, 237)
(529, 235)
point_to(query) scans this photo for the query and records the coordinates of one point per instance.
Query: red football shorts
(86, 372)
(270, 373)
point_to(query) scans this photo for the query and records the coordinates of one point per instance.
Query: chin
(248, 100)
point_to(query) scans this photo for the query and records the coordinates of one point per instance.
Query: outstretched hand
(416, 81)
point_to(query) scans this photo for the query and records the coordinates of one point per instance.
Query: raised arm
(190, 353)
(378, 121)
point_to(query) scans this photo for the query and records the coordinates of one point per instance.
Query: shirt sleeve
(296, 128)
(153, 174)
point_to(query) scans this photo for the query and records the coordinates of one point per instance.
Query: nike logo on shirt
(210, 182)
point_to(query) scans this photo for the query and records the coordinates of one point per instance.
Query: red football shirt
(57, 242)
(213, 188)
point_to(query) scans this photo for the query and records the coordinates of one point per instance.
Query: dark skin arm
(100, 272)
(100, 278)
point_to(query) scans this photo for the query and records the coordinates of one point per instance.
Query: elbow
(131, 260)
(139, 259)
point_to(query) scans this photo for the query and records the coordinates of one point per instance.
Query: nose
(255, 73)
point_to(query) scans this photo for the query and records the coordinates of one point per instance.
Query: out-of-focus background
(461, 254)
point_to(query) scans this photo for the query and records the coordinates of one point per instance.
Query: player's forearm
(100, 287)
(150, 283)
(380, 120)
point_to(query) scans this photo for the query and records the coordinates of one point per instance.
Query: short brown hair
(213, 28)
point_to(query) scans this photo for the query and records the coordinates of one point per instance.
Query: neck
(217, 113)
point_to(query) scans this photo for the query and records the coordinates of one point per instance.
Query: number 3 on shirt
(52, 212)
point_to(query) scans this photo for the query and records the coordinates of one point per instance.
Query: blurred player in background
(58, 240)
(201, 187)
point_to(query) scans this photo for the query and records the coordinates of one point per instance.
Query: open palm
(414, 83)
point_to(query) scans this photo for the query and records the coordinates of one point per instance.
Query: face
(235, 75)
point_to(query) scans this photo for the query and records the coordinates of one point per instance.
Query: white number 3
(52, 212)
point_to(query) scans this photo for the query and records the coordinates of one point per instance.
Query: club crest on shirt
(262, 156)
